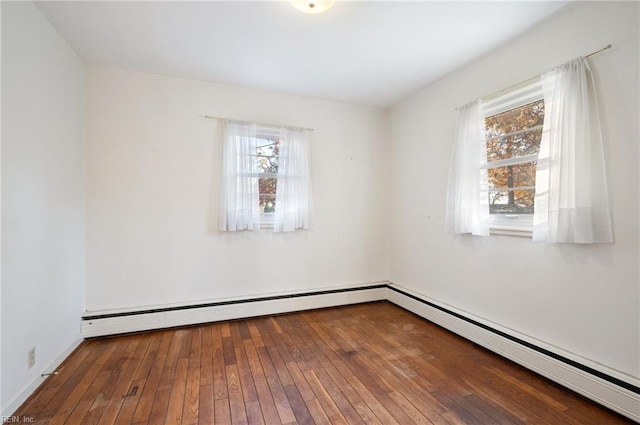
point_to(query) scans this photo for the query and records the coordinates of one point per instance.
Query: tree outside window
(513, 142)
(267, 155)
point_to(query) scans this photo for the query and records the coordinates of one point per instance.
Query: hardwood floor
(369, 363)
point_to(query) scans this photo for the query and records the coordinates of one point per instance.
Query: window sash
(528, 92)
(266, 218)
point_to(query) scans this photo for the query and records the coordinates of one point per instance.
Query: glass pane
(267, 188)
(525, 116)
(267, 203)
(511, 176)
(517, 119)
(268, 151)
(511, 201)
(266, 146)
(268, 164)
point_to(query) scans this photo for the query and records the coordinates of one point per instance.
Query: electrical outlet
(31, 358)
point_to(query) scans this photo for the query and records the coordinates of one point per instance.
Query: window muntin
(513, 130)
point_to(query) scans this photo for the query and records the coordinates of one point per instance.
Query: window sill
(266, 220)
(511, 231)
(511, 225)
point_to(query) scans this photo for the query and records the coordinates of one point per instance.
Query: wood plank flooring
(371, 363)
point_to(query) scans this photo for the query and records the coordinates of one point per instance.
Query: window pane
(511, 176)
(267, 185)
(267, 203)
(267, 195)
(511, 201)
(267, 158)
(268, 165)
(518, 119)
(268, 151)
(525, 116)
(266, 146)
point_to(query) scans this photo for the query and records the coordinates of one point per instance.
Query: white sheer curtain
(293, 192)
(572, 203)
(239, 197)
(467, 192)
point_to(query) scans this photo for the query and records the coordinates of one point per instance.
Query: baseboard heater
(597, 382)
(103, 323)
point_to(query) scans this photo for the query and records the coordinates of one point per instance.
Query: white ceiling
(373, 53)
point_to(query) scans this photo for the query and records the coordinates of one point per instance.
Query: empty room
(331, 212)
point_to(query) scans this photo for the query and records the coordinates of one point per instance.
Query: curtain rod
(532, 79)
(607, 47)
(258, 123)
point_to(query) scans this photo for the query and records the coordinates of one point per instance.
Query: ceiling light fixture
(311, 6)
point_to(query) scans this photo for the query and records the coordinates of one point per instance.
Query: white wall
(152, 165)
(580, 299)
(42, 198)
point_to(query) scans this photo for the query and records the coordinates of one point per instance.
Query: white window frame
(269, 133)
(239, 186)
(520, 95)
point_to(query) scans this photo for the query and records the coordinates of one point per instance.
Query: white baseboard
(32, 386)
(600, 390)
(105, 323)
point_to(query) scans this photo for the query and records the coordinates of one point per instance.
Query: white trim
(515, 133)
(505, 231)
(515, 97)
(599, 390)
(13, 405)
(511, 224)
(145, 321)
(515, 160)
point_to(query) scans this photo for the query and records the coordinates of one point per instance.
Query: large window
(513, 130)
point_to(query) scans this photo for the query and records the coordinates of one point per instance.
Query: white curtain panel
(293, 192)
(239, 197)
(572, 202)
(467, 192)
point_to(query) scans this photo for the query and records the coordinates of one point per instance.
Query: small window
(265, 177)
(268, 157)
(513, 130)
